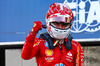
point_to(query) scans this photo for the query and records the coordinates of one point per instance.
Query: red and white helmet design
(58, 12)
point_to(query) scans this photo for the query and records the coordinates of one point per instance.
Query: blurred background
(17, 18)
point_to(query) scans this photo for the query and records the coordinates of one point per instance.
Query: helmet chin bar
(59, 33)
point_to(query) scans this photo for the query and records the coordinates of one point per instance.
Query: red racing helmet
(59, 12)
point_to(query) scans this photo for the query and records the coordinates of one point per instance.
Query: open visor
(59, 19)
(63, 25)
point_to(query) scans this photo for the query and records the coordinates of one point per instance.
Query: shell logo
(49, 52)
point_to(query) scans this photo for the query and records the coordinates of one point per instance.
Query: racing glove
(36, 27)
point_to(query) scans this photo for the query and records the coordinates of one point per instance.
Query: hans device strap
(50, 41)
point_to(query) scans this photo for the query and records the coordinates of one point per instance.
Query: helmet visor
(60, 19)
(60, 25)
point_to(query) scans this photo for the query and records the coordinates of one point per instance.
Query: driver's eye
(66, 24)
(56, 23)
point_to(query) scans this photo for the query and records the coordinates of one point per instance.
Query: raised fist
(36, 26)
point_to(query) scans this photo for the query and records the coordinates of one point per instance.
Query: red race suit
(38, 48)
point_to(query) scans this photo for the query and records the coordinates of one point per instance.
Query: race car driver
(56, 47)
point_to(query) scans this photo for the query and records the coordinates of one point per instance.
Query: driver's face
(61, 25)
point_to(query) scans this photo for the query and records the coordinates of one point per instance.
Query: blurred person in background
(56, 47)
